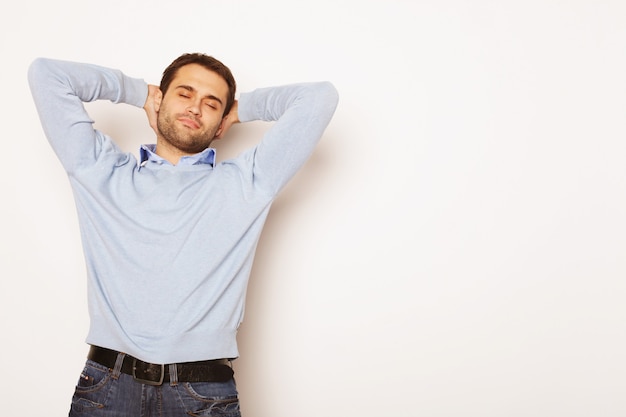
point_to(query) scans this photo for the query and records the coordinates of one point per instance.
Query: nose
(194, 108)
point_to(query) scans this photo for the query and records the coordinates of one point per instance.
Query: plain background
(454, 247)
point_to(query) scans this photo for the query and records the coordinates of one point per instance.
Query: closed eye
(184, 91)
(209, 100)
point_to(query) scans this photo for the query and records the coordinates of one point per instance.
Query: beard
(183, 139)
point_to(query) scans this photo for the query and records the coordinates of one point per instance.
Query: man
(169, 240)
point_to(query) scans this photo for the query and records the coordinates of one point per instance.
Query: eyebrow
(193, 90)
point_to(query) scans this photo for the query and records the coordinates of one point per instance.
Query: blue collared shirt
(147, 154)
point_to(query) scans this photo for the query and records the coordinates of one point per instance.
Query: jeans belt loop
(117, 369)
(173, 374)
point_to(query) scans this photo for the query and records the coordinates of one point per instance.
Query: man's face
(190, 114)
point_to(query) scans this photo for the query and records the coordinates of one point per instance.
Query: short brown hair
(207, 62)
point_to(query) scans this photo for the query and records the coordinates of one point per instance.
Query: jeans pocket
(91, 389)
(93, 377)
(210, 399)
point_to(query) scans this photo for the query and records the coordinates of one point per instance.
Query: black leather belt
(216, 370)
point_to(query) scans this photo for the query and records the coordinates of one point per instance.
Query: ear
(158, 98)
(219, 133)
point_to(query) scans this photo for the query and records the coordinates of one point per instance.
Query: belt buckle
(146, 373)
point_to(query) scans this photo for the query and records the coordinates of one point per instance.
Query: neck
(170, 153)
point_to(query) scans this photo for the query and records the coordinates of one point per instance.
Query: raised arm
(59, 89)
(301, 112)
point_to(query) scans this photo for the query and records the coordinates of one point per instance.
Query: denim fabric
(103, 392)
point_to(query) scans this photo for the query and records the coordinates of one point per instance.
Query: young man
(169, 240)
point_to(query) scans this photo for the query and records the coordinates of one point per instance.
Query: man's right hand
(152, 105)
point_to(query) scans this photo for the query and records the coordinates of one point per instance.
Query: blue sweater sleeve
(59, 89)
(302, 113)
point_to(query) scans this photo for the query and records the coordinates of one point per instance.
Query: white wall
(455, 246)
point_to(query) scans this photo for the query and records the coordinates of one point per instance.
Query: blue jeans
(103, 392)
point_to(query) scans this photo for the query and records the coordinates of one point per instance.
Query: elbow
(34, 69)
(327, 95)
(330, 93)
(38, 72)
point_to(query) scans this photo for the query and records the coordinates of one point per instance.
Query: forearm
(304, 100)
(85, 81)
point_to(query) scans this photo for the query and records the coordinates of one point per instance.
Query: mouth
(189, 122)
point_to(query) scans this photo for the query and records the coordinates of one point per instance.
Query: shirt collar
(147, 154)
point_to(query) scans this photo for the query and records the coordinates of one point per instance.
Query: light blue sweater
(169, 248)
